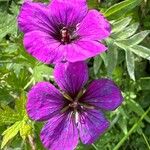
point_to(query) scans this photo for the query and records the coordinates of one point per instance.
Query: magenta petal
(71, 77)
(68, 12)
(60, 133)
(43, 47)
(44, 101)
(34, 16)
(91, 125)
(83, 49)
(94, 26)
(103, 93)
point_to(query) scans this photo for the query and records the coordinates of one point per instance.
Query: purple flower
(64, 30)
(72, 112)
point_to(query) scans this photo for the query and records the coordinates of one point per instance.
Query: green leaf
(119, 9)
(25, 130)
(133, 128)
(7, 25)
(126, 32)
(8, 115)
(92, 3)
(130, 64)
(10, 133)
(97, 64)
(112, 57)
(134, 106)
(41, 71)
(20, 105)
(5, 96)
(104, 58)
(141, 51)
(123, 124)
(136, 39)
(145, 83)
(121, 24)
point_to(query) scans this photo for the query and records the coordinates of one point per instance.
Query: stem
(94, 147)
(31, 142)
(67, 97)
(26, 86)
(131, 130)
(146, 140)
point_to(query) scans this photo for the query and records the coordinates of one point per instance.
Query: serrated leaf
(130, 64)
(134, 106)
(119, 9)
(135, 39)
(127, 32)
(97, 64)
(121, 24)
(10, 133)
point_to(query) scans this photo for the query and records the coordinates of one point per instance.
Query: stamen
(67, 96)
(65, 109)
(87, 106)
(80, 94)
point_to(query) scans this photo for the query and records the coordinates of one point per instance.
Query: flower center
(67, 35)
(74, 104)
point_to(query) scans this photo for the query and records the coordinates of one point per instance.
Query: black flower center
(75, 104)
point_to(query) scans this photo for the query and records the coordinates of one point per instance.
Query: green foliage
(119, 9)
(126, 61)
(42, 71)
(18, 120)
(128, 42)
(10, 133)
